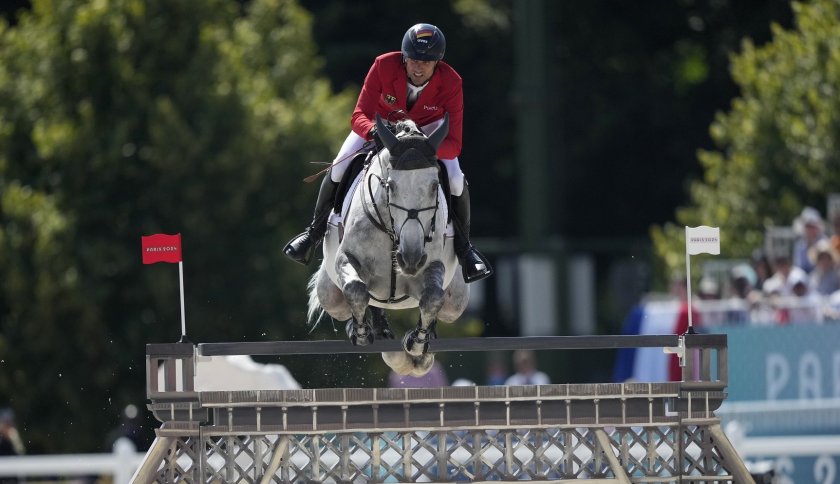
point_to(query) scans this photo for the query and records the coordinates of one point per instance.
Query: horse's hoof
(356, 341)
(353, 334)
(413, 345)
(422, 364)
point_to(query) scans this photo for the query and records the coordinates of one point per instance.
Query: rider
(417, 81)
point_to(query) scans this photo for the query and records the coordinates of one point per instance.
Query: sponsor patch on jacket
(390, 99)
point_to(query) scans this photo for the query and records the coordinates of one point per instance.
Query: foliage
(639, 83)
(130, 117)
(777, 144)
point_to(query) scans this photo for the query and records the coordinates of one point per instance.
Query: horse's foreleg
(356, 294)
(416, 341)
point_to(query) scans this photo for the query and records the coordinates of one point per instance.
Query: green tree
(777, 144)
(130, 117)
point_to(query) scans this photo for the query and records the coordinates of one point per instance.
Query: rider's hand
(375, 138)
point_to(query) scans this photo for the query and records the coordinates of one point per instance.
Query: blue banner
(784, 381)
(794, 362)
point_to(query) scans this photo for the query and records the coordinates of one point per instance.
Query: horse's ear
(389, 139)
(437, 137)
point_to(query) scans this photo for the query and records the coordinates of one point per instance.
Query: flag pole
(183, 315)
(688, 282)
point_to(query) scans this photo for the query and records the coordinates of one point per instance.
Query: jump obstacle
(602, 432)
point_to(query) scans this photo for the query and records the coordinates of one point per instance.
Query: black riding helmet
(424, 42)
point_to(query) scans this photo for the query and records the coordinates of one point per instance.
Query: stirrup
(301, 248)
(474, 266)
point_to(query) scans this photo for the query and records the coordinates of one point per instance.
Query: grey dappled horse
(394, 252)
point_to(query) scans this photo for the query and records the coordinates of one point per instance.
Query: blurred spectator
(436, 377)
(835, 234)
(10, 441)
(743, 295)
(762, 268)
(809, 229)
(744, 280)
(709, 288)
(496, 372)
(525, 363)
(832, 307)
(784, 274)
(824, 279)
(803, 307)
(709, 292)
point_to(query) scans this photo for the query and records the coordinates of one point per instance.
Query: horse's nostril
(423, 260)
(400, 260)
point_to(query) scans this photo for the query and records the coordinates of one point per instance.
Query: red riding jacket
(386, 90)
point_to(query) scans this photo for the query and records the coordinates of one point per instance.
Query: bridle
(375, 217)
(411, 213)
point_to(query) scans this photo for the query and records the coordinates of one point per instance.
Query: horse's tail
(314, 310)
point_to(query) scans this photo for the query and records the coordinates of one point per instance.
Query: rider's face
(419, 71)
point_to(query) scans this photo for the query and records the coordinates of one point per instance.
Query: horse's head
(412, 189)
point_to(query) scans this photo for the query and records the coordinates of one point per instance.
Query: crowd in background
(783, 283)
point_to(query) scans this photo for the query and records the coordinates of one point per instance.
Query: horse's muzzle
(411, 265)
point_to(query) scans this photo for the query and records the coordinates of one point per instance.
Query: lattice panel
(700, 457)
(647, 451)
(646, 454)
(180, 464)
(328, 458)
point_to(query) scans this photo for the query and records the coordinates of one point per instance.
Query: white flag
(702, 240)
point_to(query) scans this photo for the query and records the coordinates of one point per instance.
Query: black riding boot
(473, 265)
(301, 248)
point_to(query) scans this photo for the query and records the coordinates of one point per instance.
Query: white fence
(120, 465)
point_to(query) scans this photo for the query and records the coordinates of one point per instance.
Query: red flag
(161, 248)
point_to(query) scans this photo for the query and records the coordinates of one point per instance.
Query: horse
(393, 251)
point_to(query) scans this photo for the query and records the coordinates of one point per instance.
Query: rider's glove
(375, 138)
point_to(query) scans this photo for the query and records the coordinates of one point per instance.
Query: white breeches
(348, 150)
(354, 143)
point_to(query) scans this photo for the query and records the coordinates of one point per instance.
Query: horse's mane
(406, 127)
